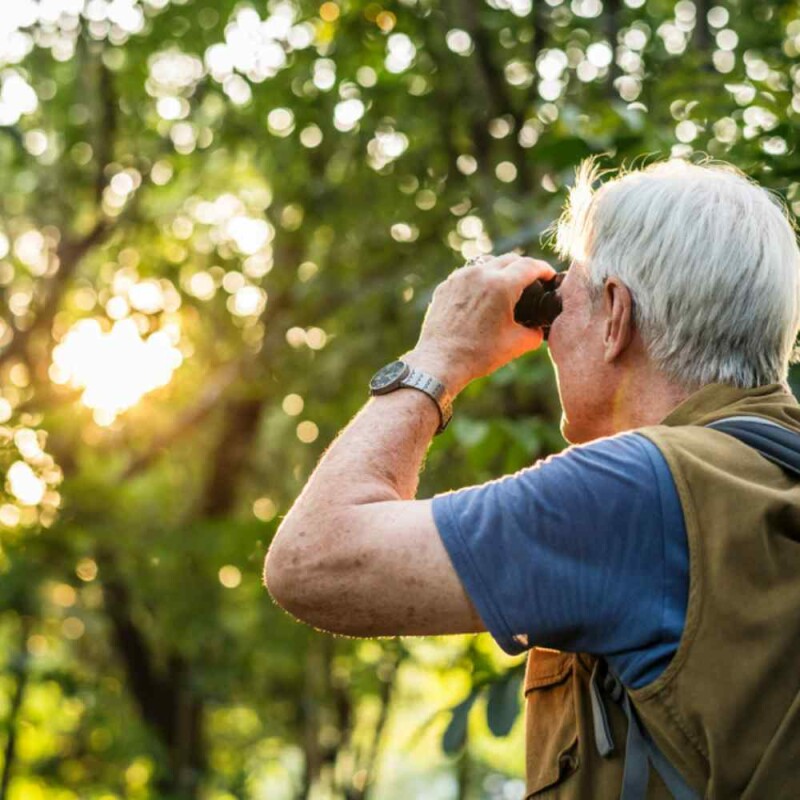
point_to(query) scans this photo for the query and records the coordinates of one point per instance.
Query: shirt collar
(717, 400)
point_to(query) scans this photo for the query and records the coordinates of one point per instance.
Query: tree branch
(388, 686)
(702, 34)
(107, 129)
(209, 400)
(147, 687)
(70, 253)
(612, 20)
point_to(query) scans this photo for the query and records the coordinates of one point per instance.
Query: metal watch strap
(435, 389)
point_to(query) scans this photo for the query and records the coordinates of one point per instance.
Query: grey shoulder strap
(776, 443)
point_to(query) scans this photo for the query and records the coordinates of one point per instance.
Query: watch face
(389, 376)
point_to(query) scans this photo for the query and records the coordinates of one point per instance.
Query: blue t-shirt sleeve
(585, 551)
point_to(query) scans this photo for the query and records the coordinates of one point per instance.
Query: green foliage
(503, 705)
(455, 736)
(502, 694)
(218, 218)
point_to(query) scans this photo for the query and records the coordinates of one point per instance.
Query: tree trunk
(167, 705)
(371, 760)
(315, 667)
(242, 418)
(22, 674)
(612, 32)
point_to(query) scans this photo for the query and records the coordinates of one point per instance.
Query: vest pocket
(551, 723)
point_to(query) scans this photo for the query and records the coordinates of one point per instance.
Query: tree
(218, 219)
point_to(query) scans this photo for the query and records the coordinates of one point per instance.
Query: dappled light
(114, 368)
(218, 219)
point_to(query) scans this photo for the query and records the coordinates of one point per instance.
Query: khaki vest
(726, 711)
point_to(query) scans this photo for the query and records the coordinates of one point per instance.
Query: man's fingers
(524, 271)
(513, 270)
(520, 266)
(504, 260)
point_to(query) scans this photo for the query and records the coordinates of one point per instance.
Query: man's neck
(645, 397)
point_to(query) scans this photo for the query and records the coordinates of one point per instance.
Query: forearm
(379, 455)
(342, 557)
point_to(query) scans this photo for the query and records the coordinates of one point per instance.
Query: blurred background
(218, 219)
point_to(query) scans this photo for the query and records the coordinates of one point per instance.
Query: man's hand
(469, 325)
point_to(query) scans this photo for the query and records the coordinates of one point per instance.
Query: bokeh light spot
(293, 405)
(307, 431)
(86, 569)
(229, 576)
(265, 509)
(73, 628)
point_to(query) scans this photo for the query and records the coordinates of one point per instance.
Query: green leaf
(456, 733)
(503, 706)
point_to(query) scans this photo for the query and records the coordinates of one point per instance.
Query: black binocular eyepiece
(539, 304)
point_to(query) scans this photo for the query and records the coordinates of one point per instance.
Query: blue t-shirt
(586, 552)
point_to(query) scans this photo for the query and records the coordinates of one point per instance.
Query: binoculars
(539, 304)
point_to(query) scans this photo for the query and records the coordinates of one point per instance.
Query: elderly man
(655, 562)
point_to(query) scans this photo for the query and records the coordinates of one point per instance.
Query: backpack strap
(640, 750)
(775, 442)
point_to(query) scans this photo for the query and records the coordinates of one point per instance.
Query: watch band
(435, 389)
(400, 374)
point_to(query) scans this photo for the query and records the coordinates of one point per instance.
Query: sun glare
(115, 368)
(25, 484)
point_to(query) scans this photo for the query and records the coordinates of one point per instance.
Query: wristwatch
(399, 374)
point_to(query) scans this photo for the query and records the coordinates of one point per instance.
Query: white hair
(710, 258)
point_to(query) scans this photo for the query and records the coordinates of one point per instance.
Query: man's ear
(618, 307)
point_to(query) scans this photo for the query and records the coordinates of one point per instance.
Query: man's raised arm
(356, 554)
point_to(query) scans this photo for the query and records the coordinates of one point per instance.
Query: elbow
(279, 579)
(309, 580)
(290, 576)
